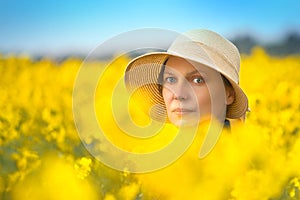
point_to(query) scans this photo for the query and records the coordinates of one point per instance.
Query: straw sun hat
(202, 46)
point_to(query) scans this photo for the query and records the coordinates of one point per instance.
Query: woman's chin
(185, 122)
(189, 121)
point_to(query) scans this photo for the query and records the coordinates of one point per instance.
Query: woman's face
(188, 92)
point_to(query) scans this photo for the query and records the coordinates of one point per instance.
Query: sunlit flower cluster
(42, 156)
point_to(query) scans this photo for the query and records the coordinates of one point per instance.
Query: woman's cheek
(167, 96)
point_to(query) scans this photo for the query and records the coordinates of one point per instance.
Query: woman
(197, 79)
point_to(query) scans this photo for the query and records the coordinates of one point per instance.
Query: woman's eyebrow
(188, 74)
(169, 73)
(193, 73)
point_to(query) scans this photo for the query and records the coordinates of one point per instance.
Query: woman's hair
(226, 82)
(161, 76)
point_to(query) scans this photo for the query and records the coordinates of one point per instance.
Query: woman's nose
(181, 91)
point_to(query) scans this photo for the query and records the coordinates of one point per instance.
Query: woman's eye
(198, 80)
(170, 80)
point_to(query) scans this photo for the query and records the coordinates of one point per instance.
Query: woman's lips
(181, 111)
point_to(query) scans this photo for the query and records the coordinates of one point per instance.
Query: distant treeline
(290, 44)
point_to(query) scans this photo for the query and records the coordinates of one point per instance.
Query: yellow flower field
(42, 156)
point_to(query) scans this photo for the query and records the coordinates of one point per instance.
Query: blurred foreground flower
(55, 180)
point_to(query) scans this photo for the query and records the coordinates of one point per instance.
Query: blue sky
(44, 26)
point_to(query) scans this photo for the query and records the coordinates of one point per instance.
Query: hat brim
(141, 77)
